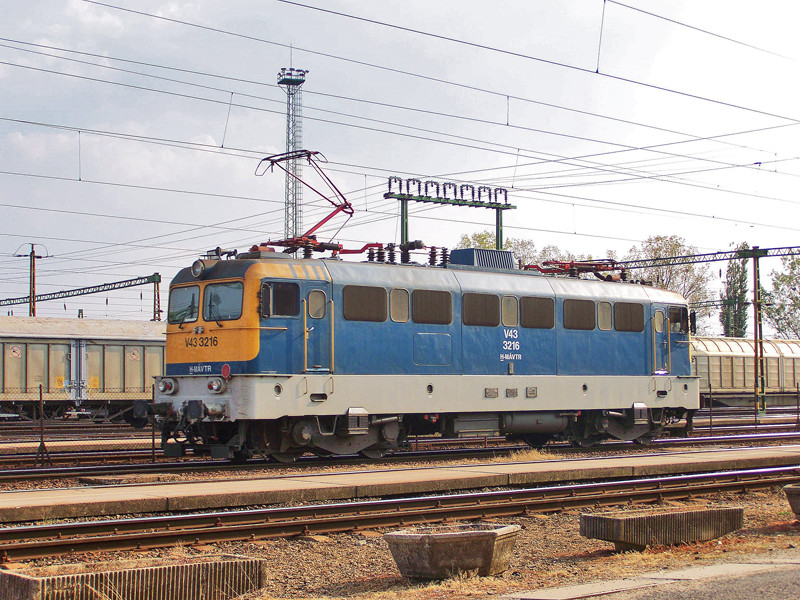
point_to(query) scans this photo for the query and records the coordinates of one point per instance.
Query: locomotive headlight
(167, 386)
(198, 268)
(216, 385)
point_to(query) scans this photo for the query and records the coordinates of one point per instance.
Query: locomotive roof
(95, 329)
(493, 280)
(454, 278)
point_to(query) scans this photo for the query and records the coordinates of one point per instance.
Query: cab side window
(678, 319)
(279, 299)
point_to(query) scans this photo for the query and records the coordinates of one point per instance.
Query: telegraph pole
(759, 370)
(32, 257)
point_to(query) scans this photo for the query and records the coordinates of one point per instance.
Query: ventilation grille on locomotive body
(481, 257)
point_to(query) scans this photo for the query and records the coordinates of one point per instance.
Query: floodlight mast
(291, 81)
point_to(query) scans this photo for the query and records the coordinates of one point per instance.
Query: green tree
(691, 281)
(482, 239)
(733, 314)
(524, 250)
(782, 304)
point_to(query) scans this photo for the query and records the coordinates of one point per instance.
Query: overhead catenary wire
(524, 56)
(228, 103)
(578, 168)
(385, 104)
(455, 40)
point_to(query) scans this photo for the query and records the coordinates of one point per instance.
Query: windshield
(183, 304)
(223, 301)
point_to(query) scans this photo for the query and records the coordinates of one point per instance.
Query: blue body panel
(388, 347)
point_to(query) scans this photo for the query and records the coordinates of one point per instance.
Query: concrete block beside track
(220, 578)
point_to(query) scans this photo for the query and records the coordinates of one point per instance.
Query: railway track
(139, 462)
(38, 541)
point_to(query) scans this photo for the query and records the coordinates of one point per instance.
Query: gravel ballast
(549, 552)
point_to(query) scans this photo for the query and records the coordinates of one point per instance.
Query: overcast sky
(131, 130)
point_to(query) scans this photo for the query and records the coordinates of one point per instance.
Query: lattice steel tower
(291, 80)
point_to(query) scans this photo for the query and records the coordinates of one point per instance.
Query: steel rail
(27, 542)
(128, 464)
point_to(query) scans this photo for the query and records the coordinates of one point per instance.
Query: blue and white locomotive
(271, 354)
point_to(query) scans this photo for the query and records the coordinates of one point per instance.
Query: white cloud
(95, 19)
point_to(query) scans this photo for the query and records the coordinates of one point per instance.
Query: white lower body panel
(265, 397)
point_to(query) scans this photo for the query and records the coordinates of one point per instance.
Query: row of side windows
(367, 303)
(620, 316)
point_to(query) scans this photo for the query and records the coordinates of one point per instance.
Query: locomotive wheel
(586, 442)
(240, 457)
(646, 439)
(373, 452)
(535, 440)
(285, 457)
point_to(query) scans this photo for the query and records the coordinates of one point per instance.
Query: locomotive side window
(431, 306)
(579, 314)
(537, 313)
(364, 303)
(265, 300)
(279, 299)
(223, 301)
(481, 309)
(184, 303)
(604, 317)
(678, 319)
(658, 321)
(398, 305)
(510, 311)
(317, 301)
(285, 299)
(628, 316)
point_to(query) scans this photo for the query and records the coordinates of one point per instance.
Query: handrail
(185, 331)
(653, 329)
(305, 336)
(332, 345)
(669, 346)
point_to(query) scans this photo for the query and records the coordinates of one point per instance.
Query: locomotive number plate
(203, 341)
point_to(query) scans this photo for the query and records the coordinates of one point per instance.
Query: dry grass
(528, 455)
